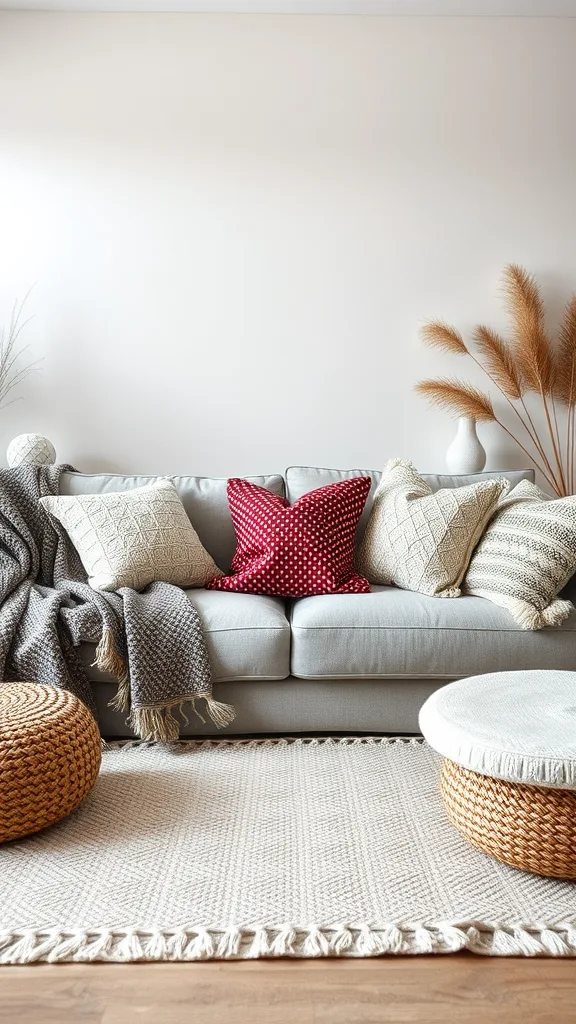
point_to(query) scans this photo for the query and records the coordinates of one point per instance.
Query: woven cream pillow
(422, 540)
(526, 556)
(133, 538)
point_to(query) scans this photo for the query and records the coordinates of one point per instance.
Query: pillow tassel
(524, 613)
(557, 612)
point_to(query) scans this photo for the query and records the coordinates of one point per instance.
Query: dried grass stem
(528, 363)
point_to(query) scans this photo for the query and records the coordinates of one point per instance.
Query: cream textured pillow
(422, 540)
(133, 538)
(526, 556)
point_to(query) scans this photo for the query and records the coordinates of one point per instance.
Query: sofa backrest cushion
(204, 499)
(301, 479)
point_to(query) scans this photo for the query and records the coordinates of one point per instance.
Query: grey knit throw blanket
(152, 642)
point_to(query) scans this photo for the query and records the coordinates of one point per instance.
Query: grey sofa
(334, 663)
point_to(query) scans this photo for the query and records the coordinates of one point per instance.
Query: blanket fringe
(256, 941)
(156, 724)
(153, 723)
(108, 660)
(161, 726)
(221, 714)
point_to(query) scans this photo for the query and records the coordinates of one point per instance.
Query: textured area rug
(237, 849)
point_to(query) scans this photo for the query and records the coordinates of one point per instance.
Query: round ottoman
(50, 751)
(508, 779)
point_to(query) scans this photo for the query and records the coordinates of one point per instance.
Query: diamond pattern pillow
(422, 540)
(526, 556)
(133, 538)
(295, 550)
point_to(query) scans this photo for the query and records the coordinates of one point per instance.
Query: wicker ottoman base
(530, 827)
(50, 752)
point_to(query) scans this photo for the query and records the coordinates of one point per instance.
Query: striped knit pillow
(526, 556)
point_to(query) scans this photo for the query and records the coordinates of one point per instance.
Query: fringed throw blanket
(151, 642)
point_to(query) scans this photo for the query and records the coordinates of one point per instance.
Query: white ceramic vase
(466, 454)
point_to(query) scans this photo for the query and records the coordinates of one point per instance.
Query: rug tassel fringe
(259, 945)
(423, 940)
(316, 943)
(393, 939)
(341, 941)
(176, 945)
(526, 942)
(129, 948)
(100, 949)
(229, 944)
(554, 943)
(369, 942)
(200, 943)
(68, 949)
(283, 943)
(156, 948)
(21, 951)
(201, 947)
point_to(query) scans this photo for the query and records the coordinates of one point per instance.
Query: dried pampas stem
(499, 362)
(500, 368)
(529, 364)
(437, 334)
(449, 393)
(532, 347)
(565, 383)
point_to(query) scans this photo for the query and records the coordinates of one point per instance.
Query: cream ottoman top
(519, 726)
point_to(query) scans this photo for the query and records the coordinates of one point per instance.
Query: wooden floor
(461, 989)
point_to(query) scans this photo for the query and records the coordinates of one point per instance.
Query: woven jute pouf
(50, 752)
(529, 827)
(508, 778)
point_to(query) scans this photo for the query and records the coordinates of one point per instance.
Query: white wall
(237, 224)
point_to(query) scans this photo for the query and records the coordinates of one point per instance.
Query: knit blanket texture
(151, 642)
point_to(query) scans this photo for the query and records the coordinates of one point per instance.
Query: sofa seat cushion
(247, 635)
(396, 633)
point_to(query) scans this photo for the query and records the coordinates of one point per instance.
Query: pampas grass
(437, 334)
(527, 364)
(10, 353)
(499, 362)
(458, 396)
(565, 379)
(530, 345)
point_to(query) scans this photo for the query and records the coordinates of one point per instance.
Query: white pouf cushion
(518, 726)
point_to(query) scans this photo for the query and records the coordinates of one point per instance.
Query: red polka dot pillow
(295, 550)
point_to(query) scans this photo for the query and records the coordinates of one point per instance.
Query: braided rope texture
(50, 752)
(530, 827)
